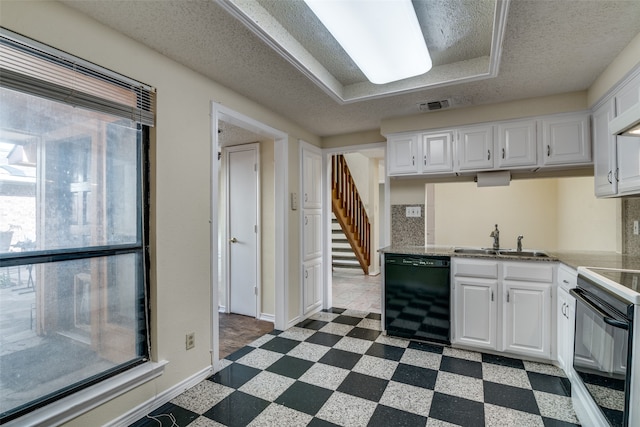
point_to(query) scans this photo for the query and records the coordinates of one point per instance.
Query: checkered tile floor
(336, 368)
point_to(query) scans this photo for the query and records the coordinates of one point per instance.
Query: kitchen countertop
(573, 259)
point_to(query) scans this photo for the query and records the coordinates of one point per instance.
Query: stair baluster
(349, 210)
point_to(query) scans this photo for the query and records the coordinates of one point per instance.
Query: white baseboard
(294, 321)
(267, 317)
(155, 402)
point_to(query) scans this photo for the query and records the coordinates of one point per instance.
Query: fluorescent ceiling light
(383, 37)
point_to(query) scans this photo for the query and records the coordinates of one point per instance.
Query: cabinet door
(312, 235)
(565, 316)
(475, 312)
(517, 144)
(403, 153)
(436, 152)
(565, 140)
(604, 148)
(312, 180)
(628, 95)
(628, 172)
(475, 148)
(312, 286)
(527, 318)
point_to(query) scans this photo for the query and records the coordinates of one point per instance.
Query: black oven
(602, 348)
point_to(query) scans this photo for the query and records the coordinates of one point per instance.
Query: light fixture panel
(383, 37)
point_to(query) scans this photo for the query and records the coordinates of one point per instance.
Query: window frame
(68, 402)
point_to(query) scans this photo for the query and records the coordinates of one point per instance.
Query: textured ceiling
(549, 47)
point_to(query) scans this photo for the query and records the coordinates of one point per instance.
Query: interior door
(242, 226)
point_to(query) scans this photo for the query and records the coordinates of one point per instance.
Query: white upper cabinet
(566, 139)
(517, 144)
(436, 152)
(556, 141)
(628, 150)
(420, 153)
(628, 95)
(402, 152)
(616, 158)
(604, 149)
(475, 148)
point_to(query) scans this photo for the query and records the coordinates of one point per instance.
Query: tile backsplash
(630, 213)
(407, 230)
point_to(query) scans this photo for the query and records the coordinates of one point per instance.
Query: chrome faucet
(496, 238)
(519, 245)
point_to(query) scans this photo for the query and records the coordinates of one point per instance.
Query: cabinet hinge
(255, 290)
(255, 167)
(255, 229)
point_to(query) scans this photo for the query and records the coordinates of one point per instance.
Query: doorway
(232, 129)
(348, 287)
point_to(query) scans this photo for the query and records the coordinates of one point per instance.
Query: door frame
(220, 112)
(385, 239)
(226, 252)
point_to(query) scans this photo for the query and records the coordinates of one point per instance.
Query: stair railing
(349, 210)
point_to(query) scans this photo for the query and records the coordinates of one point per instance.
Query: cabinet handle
(413, 160)
(565, 281)
(425, 160)
(507, 296)
(488, 154)
(491, 295)
(306, 220)
(609, 177)
(306, 274)
(564, 309)
(503, 153)
(548, 150)
(306, 197)
(616, 174)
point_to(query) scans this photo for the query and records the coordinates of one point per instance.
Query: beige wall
(465, 214)
(357, 138)
(625, 62)
(574, 101)
(584, 222)
(551, 213)
(406, 191)
(359, 166)
(180, 237)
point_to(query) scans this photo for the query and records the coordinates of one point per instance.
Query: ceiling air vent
(434, 105)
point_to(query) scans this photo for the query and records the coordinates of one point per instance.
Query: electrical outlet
(191, 340)
(635, 227)
(413, 212)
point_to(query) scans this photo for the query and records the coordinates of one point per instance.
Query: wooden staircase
(349, 211)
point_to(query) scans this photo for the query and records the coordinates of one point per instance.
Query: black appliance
(417, 299)
(602, 348)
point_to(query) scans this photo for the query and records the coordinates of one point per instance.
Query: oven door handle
(606, 317)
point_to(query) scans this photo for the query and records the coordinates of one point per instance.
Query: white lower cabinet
(509, 312)
(527, 318)
(476, 311)
(566, 318)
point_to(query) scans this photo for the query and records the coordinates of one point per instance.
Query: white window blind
(43, 71)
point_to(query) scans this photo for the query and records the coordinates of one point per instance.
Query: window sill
(72, 406)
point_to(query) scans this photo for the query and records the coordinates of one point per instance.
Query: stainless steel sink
(502, 252)
(475, 251)
(530, 254)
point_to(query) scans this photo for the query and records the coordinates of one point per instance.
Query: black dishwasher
(417, 297)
